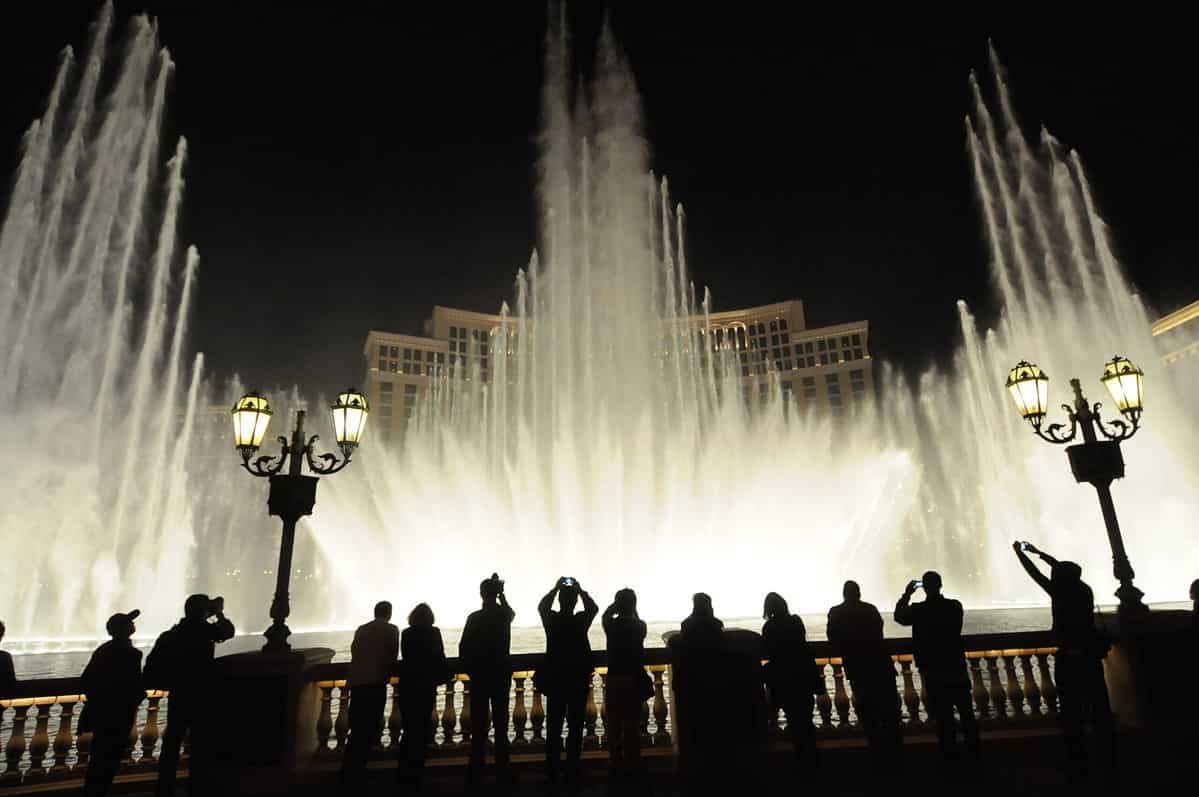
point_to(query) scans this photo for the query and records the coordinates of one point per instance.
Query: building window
(774, 326)
(409, 390)
(857, 340)
(857, 354)
(811, 362)
(824, 359)
(858, 387)
(830, 378)
(787, 364)
(857, 373)
(834, 390)
(392, 366)
(382, 351)
(845, 341)
(782, 325)
(774, 340)
(382, 365)
(809, 393)
(809, 381)
(787, 387)
(762, 342)
(819, 345)
(395, 352)
(786, 338)
(386, 387)
(453, 332)
(440, 358)
(833, 357)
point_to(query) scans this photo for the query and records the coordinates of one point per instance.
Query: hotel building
(827, 368)
(1179, 330)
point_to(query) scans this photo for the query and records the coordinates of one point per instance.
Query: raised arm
(1030, 568)
(507, 609)
(544, 605)
(590, 608)
(903, 608)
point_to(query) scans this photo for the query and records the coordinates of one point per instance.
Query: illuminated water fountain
(612, 442)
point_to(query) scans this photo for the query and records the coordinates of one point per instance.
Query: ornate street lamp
(293, 494)
(1094, 461)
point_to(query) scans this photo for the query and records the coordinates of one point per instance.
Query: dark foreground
(1017, 764)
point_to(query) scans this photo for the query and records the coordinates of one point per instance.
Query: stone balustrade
(1011, 675)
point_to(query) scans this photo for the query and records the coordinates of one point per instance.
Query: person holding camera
(941, 657)
(182, 662)
(626, 690)
(112, 682)
(483, 652)
(1081, 649)
(565, 678)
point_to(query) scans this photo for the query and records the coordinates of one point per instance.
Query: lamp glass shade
(1125, 382)
(251, 416)
(349, 417)
(1029, 387)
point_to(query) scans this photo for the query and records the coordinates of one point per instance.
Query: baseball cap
(117, 624)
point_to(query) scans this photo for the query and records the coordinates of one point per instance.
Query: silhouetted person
(1194, 611)
(422, 667)
(112, 682)
(372, 654)
(483, 652)
(8, 675)
(705, 681)
(855, 628)
(565, 677)
(182, 662)
(625, 689)
(941, 657)
(791, 675)
(1078, 661)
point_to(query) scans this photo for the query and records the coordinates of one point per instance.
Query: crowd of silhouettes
(182, 661)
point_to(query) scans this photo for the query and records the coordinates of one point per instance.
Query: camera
(1024, 546)
(919, 585)
(567, 581)
(216, 606)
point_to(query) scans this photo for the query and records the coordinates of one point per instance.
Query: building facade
(824, 368)
(1179, 331)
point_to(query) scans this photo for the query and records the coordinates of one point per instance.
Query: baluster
(538, 717)
(433, 724)
(982, 700)
(41, 737)
(824, 703)
(840, 696)
(65, 736)
(324, 720)
(449, 716)
(1032, 692)
(1048, 687)
(911, 698)
(590, 739)
(341, 726)
(466, 721)
(130, 745)
(16, 743)
(395, 719)
(998, 695)
(661, 737)
(150, 731)
(603, 709)
(520, 715)
(1015, 695)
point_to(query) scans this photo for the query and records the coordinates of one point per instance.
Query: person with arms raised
(483, 651)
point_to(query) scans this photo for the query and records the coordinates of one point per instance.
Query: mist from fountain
(613, 442)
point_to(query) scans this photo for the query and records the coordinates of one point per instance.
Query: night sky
(351, 168)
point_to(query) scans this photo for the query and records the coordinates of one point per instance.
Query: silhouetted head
(196, 607)
(3, 629)
(567, 598)
(932, 583)
(490, 588)
(421, 616)
(383, 610)
(1194, 597)
(120, 625)
(701, 605)
(1065, 574)
(774, 606)
(851, 592)
(625, 602)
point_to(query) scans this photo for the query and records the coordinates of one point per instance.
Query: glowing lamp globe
(1125, 382)
(251, 415)
(349, 419)
(1029, 387)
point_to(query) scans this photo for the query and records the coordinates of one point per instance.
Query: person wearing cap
(1078, 663)
(8, 676)
(183, 663)
(112, 684)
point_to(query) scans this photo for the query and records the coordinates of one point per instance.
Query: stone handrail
(1011, 674)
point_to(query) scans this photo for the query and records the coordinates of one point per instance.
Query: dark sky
(352, 167)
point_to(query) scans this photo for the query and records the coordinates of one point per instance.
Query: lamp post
(1094, 461)
(293, 494)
